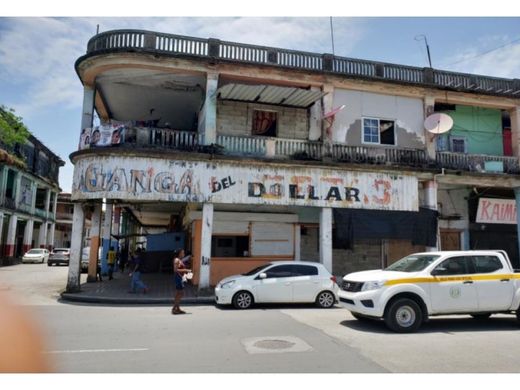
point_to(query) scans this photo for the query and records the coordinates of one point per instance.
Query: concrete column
(17, 189)
(326, 133)
(326, 238)
(47, 200)
(76, 244)
(28, 235)
(11, 236)
(429, 139)
(50, 238)
(430, 197)
(205, 255)
(315, 115)
(42, 237)
(94, 242)
(3, 183)
(88, 107)
(107, 230)
(34, 189)
(2, 248)
(517, 201)
(514, 115)
(297, 242)
(210, 109)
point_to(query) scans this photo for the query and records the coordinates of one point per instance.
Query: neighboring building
(63, 231)
(259, 153)
(28, 194)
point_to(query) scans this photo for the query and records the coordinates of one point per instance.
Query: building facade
(29, 191)
(258, 154)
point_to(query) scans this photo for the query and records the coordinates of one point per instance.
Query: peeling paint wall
(406, 112)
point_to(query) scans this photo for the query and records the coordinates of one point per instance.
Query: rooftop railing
(216, 50)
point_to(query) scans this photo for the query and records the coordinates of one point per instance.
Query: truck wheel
(404, 316)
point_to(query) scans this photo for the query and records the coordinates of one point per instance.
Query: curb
(71, 297)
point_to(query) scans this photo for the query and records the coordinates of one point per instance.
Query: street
(88, 338)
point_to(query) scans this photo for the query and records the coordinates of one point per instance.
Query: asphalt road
(268, 339)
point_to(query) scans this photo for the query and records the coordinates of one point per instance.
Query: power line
(484, 53)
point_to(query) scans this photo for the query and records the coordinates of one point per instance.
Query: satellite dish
(438, 123)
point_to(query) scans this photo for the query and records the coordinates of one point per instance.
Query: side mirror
(263, 275)
(439, 271)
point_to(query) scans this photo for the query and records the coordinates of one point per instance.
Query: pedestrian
(98, 272)
(123, 260)
(111, 261)
(179, 270)
(136, 283)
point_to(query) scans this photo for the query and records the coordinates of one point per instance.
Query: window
(280, 271)
(458, 145)
(453, 266)
(378, 131)
(230, 246)
(486, 264)
(305, 270)
(264, 123)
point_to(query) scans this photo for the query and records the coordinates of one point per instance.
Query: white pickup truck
(420, 285)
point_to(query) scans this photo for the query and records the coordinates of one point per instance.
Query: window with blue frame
(378, 131)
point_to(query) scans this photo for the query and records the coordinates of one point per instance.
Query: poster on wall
(496, 211)
(84, 138)
(108, 134)
(26, 192)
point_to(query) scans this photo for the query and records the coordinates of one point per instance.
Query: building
(28, 194)
(257, 153)
(63, 230)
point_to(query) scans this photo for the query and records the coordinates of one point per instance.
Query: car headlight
(373, 285)
(228, 284)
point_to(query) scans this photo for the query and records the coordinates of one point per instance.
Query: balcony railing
(380, 155)
(478, 162)
(214, 49)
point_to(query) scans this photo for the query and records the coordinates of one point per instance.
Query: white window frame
(378, 132)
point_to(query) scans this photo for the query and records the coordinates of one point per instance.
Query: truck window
(412, 263)
(486, 264)
(454, 266)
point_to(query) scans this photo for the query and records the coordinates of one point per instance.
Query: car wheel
(325, 299)
(404, 316)
(49, 264)
(242, 300)
(482, 316)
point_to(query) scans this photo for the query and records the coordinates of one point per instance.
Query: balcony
(214, 50)
(478, 162)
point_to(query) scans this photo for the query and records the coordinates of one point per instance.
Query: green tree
(12, 129)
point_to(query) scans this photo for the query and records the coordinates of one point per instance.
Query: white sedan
(36, 256)
(277, 282)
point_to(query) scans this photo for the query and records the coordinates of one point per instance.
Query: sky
(39, 45)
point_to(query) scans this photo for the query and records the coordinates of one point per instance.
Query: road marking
(99, 350)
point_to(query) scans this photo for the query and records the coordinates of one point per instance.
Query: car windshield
(35, 251)
(256, 270)
(412, 263)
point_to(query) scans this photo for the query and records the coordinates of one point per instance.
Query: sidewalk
(116, 291)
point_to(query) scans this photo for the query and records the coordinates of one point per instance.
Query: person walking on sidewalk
(111, 261)
(179, 270)
(136, 283)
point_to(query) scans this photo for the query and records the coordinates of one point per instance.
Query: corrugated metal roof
(270, 94)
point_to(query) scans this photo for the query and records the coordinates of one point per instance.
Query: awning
(270, 94)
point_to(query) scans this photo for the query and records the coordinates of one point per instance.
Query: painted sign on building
(496, 211)
(148, 179)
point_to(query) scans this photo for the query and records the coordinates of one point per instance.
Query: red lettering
(484, 209)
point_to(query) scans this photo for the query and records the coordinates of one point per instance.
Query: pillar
(2, 243)
(205, 256)
(297, 241)
(3, 183)
(430, 198)
(50, 238)
(326, 238)
(315, 119)
(28, 235)
(429, 139)
(517, 201)
(328, 102)
(47, 201)
(107, 230)
(94, 243)
(209, 130)
(42, 237)
(76, 244)
(88, 107)
(514, 116)
(11, 236)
